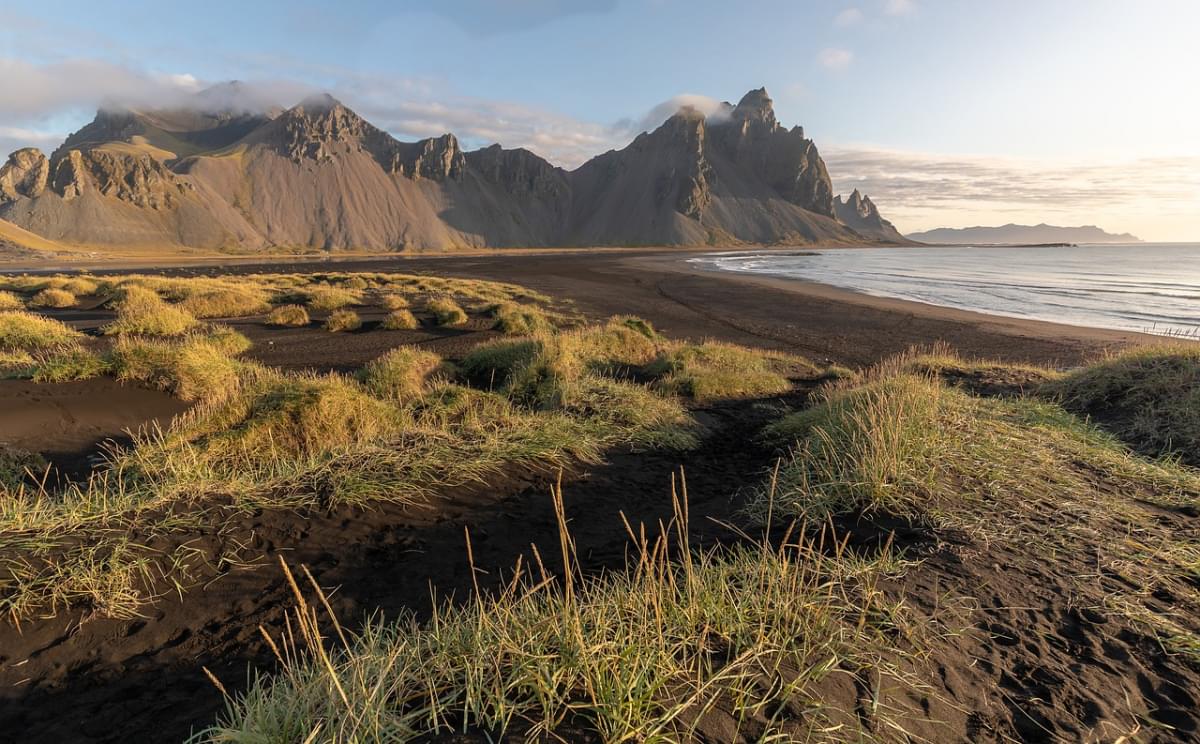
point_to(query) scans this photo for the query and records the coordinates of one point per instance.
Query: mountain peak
(756, 105)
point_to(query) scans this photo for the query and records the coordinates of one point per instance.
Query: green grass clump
(142, 312)
(231, 302)
(906, 444)
(633, 655)
(15, 363)
(10, 301)
(68, 364)
(513, 319)
(1149, 397)
(446, 311)
(22, 331)
(399, 320)
(288, 316)
(191, 368)
(713, 370)
(56, 298)
(400, 374)
(343, 320)
(331, 298)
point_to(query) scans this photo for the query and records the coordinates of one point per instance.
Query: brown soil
(69, 423)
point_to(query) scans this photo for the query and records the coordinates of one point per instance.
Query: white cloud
(899, 7)
(835, 59)
(848, 17)
(31, 91)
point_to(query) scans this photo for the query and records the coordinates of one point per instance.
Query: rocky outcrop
(230, 171)
(26, 174)
(860, 214)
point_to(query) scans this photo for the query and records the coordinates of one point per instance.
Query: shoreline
(823, 322)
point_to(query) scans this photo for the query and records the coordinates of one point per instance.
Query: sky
(947, 113)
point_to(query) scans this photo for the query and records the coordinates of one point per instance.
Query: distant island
(1022, 235)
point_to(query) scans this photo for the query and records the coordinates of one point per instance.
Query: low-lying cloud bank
(1154, 197)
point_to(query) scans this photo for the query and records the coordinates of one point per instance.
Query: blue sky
(947, 113)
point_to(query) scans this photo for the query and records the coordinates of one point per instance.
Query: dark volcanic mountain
(1021, 234)
(228, 173)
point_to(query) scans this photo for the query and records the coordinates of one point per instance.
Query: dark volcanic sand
(805, 318)
(1031, 667)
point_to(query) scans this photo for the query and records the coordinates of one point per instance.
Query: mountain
(1021, 235)
(860, 214)
(228, 171)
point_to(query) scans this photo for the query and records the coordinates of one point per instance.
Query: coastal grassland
(231, 302)
(1149, 397)
(751, 634)
(1014, 470)
(263, 438)
(979, 376)
(513, 319)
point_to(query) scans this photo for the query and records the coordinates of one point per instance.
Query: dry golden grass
(399, 320)
(232, 302)
(55, 298)
(141, 312)
(288, 316)
(343, 320)
(392, 301)
(22, 331)
(401, 374)
(446, 311)
(10, 301)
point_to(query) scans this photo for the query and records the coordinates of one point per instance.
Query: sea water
(1148, 287)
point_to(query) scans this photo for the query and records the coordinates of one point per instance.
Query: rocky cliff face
(860, 214)
(223, 174)
(136, 178)
(24, 175)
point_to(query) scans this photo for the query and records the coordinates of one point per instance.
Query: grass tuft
(446, 311)
(400, 374)
(55, 298)
(714, 370)
(142, 312)
(22, 331)
(399, 320)
(343, 320)
(10, 301)
(226, 302)
(288, 316)
(1149, 397)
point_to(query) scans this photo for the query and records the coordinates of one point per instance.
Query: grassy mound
(399, 320)
(715, 370)
(51, 297)
(10, 301)
(343, 320)
(977, 376)
(231, 302)
(142, 312)
(21, 331)
(513, 319)
(1148, 397)
(392, 302)
(288, 316)
(905, 444)
(400, 374)
(191, 368)
(639, 655)
(446, 311)
(67, 364)
(330, 298)
(19, 468)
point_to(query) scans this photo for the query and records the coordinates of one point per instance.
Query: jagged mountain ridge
(860, 214)
(318, 175)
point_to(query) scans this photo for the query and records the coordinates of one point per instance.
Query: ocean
(1147, 287)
